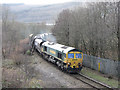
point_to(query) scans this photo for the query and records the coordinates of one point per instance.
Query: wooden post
(98, 66)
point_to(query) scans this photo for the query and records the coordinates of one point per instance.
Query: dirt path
(51, 77)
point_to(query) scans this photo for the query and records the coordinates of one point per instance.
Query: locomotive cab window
(59, 55)
(71, 55)
(45, 48)
(79, 55)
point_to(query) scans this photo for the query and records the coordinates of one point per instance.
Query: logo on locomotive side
(53, 52)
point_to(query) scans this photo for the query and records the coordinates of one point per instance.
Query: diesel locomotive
(67, 58)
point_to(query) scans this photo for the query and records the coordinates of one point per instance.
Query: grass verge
(99, 77)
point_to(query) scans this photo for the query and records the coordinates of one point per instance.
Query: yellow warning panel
(98, 66)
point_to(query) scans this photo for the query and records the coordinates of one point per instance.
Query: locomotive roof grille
(64, 47)
(51, 43)
(57, 46)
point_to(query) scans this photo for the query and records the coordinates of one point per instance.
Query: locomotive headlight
(69, 63)
(79, 64)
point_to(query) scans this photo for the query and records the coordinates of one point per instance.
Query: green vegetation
(97, 76)
(8, 63)
(34, 83)
(19, 75)
(13, 77)
(28, 52)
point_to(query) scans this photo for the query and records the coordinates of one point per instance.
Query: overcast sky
(34, 2)
(45, 2)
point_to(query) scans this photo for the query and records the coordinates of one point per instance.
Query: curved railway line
(91, 82)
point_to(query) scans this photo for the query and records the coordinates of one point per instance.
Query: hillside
(38, 13)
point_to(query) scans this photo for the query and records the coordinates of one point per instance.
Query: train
(66, 58)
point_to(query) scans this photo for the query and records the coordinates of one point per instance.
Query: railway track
(91, 82)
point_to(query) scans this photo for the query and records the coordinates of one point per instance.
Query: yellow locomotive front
(74, 60)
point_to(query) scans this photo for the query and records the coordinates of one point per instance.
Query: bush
(12, 78)
(28, 52)
(18, 59)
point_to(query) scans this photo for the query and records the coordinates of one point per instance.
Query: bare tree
(62, 27)
(93, 29)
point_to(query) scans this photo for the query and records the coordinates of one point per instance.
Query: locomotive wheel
(62, 66)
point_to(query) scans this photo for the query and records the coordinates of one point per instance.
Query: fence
(106, 66)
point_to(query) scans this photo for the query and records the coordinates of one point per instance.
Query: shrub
(28, 52)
